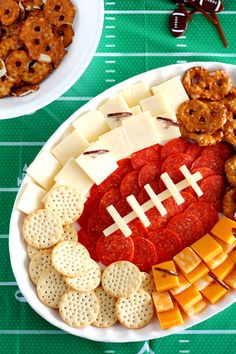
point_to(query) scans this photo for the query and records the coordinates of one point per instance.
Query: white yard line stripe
(110, 45)
(8, 190)
(181, 45)
(110, 61)
(8, 283)
(110, 27)
(110, 18)
(68, 98)
(21, 143)
(110, 36)
(109, 351)
(153, 12)
(3, 237)
(207, 331)
(110, 80)
(181, 37)
(182, 54)
(184, 341)
(181, 61)
(23, 331)
(184, 351)
(110, 71)
(110, 3)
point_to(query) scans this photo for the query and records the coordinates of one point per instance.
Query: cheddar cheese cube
(207, 247)
(197, 273)
(214, 292)
(162, 301)
(223, 230)
(164, 281)
(195, 309)
(216, 261)
(170, 318)
(226, 247)
(224, 269)
(187, 260)
(183, 284)
(231, 279)
(188, 297)
(232, 255)
(203, 282)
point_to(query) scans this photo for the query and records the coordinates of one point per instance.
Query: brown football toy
(178, 22)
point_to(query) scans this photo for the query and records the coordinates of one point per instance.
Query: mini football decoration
(178, 23)
(211, 5)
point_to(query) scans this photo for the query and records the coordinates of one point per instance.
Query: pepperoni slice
(90, 207)
(187, 226)
(110, 198)
(222, 149)
(149, 173)
(213, 162)
(166, 242)
(205, 171)
(213, 189)
(115, 247)
(88, 244)
(172, 164)
(95, 227)
(143, 196)
(129, 184)
(157, 221)
(145, 255)
(144, 156)
(174, 146)
(125, 166)
(206, 213)
(194, 150)
(123, 207)
(173, 208)
(137, 228)
(113, 181)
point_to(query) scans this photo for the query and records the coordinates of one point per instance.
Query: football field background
(135, 39)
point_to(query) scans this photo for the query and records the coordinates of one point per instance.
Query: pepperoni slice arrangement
(167, 235)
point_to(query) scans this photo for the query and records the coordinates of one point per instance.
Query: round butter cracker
(66, 202)
(87, 281)
(135, 311)
(107, 313)
(42, 229)
(79, 309)
(121, 278)
(69, 233)
(70, 259)
(31, 251)
(147, 283)
(40, 262)
(50, 287)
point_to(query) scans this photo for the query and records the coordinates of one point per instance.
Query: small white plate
(88, 25)
(19, 260)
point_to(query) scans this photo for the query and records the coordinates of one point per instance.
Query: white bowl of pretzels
(45, 46)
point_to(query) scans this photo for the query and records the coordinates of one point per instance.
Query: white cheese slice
(97, 166)
(30, 198)
(119, 221)
(117, 143)
(91, 125)
(187, 174)
(158, 106)
(135, 93)
(134, 204)
(136, 109)
(73, 175)
(71, 146)
(173, 91)
(172, 188)
(156, 201)
(167, 131)
(44, 168)
(141, 131)
(149, 204)
(115, 104)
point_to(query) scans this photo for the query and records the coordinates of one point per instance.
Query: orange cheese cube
(203, 282)
(214, 292)
(188, 298)
(187, 260)
(170, 318)
(224, 269)
(226, 247)
(216, 261)
(232, 255)
(197, 273)
(231, 279)
(162, 301)
(207, 247)
(164, 281)
(198, 307)
(223, 230)
(183, 284)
